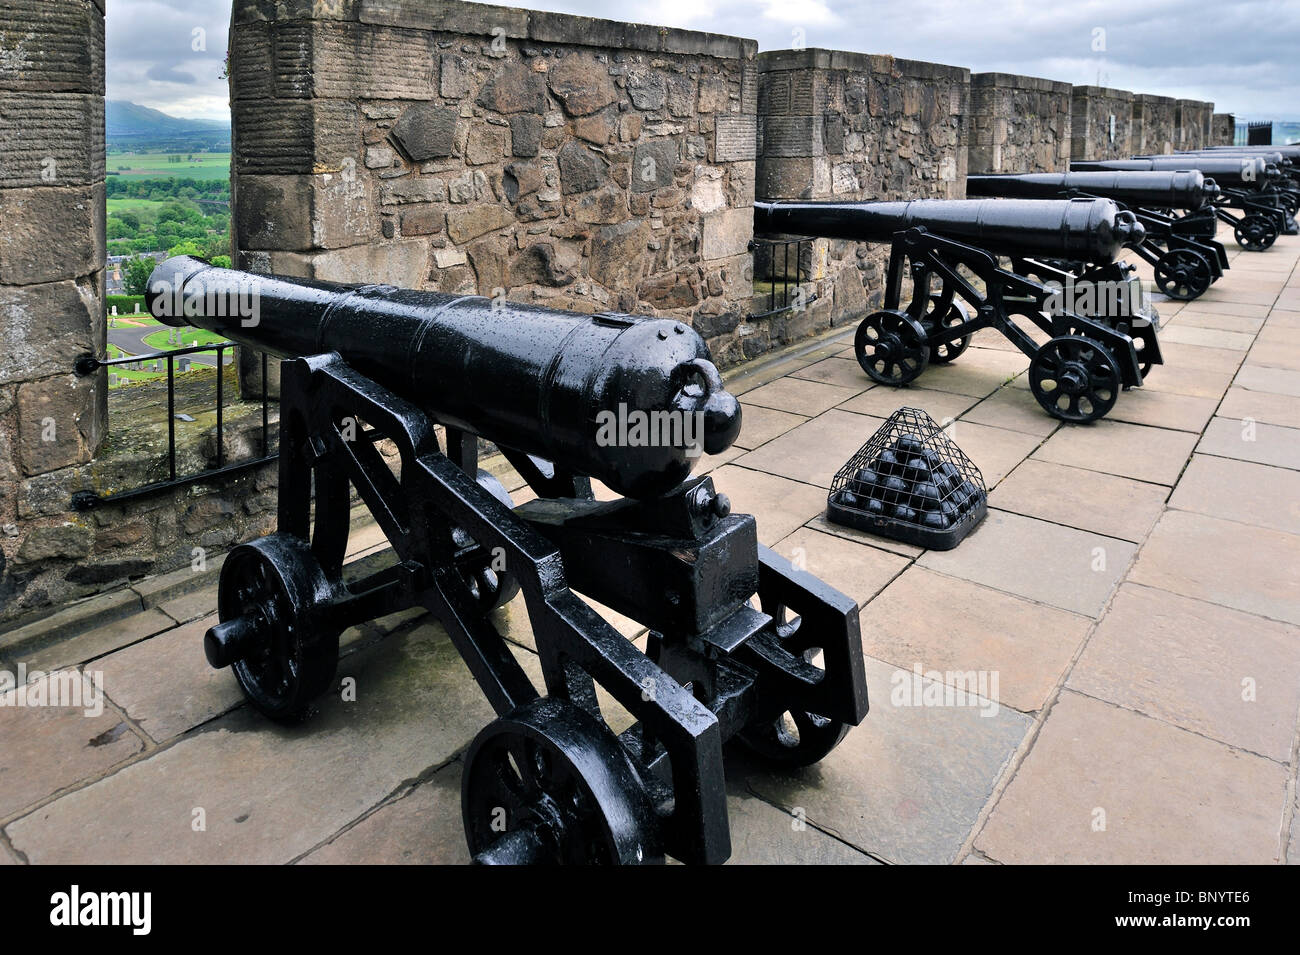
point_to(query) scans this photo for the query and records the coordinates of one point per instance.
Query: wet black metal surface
(742, 646)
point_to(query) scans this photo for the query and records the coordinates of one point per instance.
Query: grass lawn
(156, 166)
(127, 376)
(158, 340)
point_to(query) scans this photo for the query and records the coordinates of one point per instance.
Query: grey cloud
(167, 74)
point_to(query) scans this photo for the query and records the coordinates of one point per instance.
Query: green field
(190, 336)
(126, 376)
(156, 166)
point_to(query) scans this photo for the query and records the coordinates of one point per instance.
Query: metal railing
(770, 252)
(89, 364)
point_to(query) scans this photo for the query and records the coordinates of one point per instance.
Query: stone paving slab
(845, 372)
(995, 451)
(269, 792)
(909, 783)
(1089, 500)
(822, 524)
(1014, 409)
(1186, 334)
(1245, 319)
(1155, 455)
(420, 827)
(1163, 795)
(808, 398)
(1252, 441)
(759, 425)
(761, 834)
(1029, 645)
(1263, 406)
(1273, 355)
(883, 401)
(46, 748)
(1240, 491)
(813, 452)
(1059, 566)
(1227, 563)
(1163, 409)
(854, 569)
(778, 504)
(1221, 673)
(165, 684)
(978, 372)
(1278, 381)
(193, 605)
(101, 640)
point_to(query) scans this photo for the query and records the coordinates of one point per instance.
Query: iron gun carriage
(1246, 184)
(1182, 249)
(741, 645)
(1102, 335)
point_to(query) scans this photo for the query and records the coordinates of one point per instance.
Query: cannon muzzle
(1093, 230)
(630, 400)
(1183, 189)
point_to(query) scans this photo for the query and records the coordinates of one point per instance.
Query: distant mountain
(131, 121)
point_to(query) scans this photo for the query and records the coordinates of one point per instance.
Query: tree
(188, 247)
(130, 220)
(221, 261)
(138, 269)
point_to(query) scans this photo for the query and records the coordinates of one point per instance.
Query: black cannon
(1285, 187)
(1103, 337)
(742, 646)
(1246, 184)
(1181, 249)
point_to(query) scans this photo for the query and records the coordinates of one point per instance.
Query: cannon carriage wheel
(1183, 274)
(283, 653)
(945, 314)
(1255, 233)
(548, 783)
(793, 737)
(1075, 378)
(891, 347)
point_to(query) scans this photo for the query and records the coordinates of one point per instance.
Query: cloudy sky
(1242, 54)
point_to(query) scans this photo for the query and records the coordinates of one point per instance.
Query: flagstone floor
(1134, 592)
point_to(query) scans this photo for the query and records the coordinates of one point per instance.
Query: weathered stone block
(470, 223)
(514, 88)
(727, 233)
(51, 233)
(43, 328)
(273, 212)
(582, 84)
(60, 422)
(653, 164)
(580, 169)
(525, 134)
(486, 144)
(618, 252)
(426, 131)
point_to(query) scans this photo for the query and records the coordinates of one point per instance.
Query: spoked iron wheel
(547, 783)
(891, 347)
(1255, 233)
(1182, 274)
(793, 737)
(283, 655)
(487, 580)
(955, 313)
(1075, 379)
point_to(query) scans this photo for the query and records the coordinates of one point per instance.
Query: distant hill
(130, 124)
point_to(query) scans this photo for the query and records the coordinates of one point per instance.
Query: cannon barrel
(538, 380)
(1094, 230)
(1228, 171)
(1291, 152)
(1182, 189)
(1274, 156)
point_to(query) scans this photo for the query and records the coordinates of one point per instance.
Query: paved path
(131, 339)
(1133, 591)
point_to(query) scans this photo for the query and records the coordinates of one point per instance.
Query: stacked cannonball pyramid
(910, 482)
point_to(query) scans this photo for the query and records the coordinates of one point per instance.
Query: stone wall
(1223, 129)
(583, 164)
(1018, 124)
(853, 126)
(1155, 121)
(1193, 128)
(1101, 123)
(52, 258)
